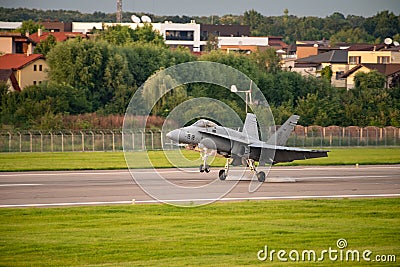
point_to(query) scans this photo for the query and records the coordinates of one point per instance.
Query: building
(6, 26)
(15, 43)
(277, 43)
(305, 49)
(57, 26)
(313, 65)
(243, 44)
(366, 53)
(60, 36)
(389, 70)
(27, 69)
(180, 34)
(175, 34)
(223, 30)
(87, 27)
(366, 57)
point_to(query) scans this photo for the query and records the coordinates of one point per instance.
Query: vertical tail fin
(250, 126)
(282, 134)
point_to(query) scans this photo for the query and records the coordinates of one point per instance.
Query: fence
(112, 140)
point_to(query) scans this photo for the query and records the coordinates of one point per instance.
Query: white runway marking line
(56, 173)
(10, 185)
(189, 200)
(340, 177)
(189, 170)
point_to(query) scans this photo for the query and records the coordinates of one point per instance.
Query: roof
(277, 43)
(8, 74)
(393, 48)
(60, 36)
(18, 61)
(306, 65)
(10, 25)
(334, 56)
(385, 69)
(19, 37)
(366, 47)
(12, 34)
(5, 74)
(313, 43)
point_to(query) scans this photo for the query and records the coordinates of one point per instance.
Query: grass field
(223, 234)
(116, 160)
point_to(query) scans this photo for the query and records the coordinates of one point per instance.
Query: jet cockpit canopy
(203, 123)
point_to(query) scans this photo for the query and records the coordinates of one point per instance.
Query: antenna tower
(119, 11)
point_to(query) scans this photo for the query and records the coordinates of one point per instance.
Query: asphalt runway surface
(70, 188)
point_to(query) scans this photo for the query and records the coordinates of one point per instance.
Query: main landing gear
(222, 174)
(260, 175)
(204, 155)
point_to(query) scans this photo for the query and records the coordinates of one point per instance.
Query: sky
(319, 8)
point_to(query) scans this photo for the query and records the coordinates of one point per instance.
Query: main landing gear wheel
(261, 176)
(222, 175)
(205, 168)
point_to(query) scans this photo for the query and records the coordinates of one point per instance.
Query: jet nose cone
(173, 135)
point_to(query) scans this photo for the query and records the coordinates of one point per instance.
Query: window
(354, 60)
(204, 36)
(179, 35)
(34, 82)
(40, 68)
(40, 82)
(339, 74)
(34, 67)
(19, 48)
(383, 60)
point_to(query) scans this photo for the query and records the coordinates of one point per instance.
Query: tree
(352, 35)
(212, 42)
(124, 35)
(267, 60)
(29, 26)
(146, 34)
(326, 73)
(117, 34)
(45, 46)
(382, 25)
(370, 80)
(256, 22)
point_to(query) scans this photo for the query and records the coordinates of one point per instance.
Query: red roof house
(60, 36)
(27, 69)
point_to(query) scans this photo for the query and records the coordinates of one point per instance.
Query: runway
(71, 188)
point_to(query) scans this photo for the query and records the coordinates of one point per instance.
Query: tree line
(100, 75)
(335, 27)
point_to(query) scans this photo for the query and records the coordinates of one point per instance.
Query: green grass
(116, 160)
(223, 234)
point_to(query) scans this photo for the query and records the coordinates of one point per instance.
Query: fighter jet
(242, 147)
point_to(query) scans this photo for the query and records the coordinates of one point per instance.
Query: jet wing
(282, 153)
(288, 154)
